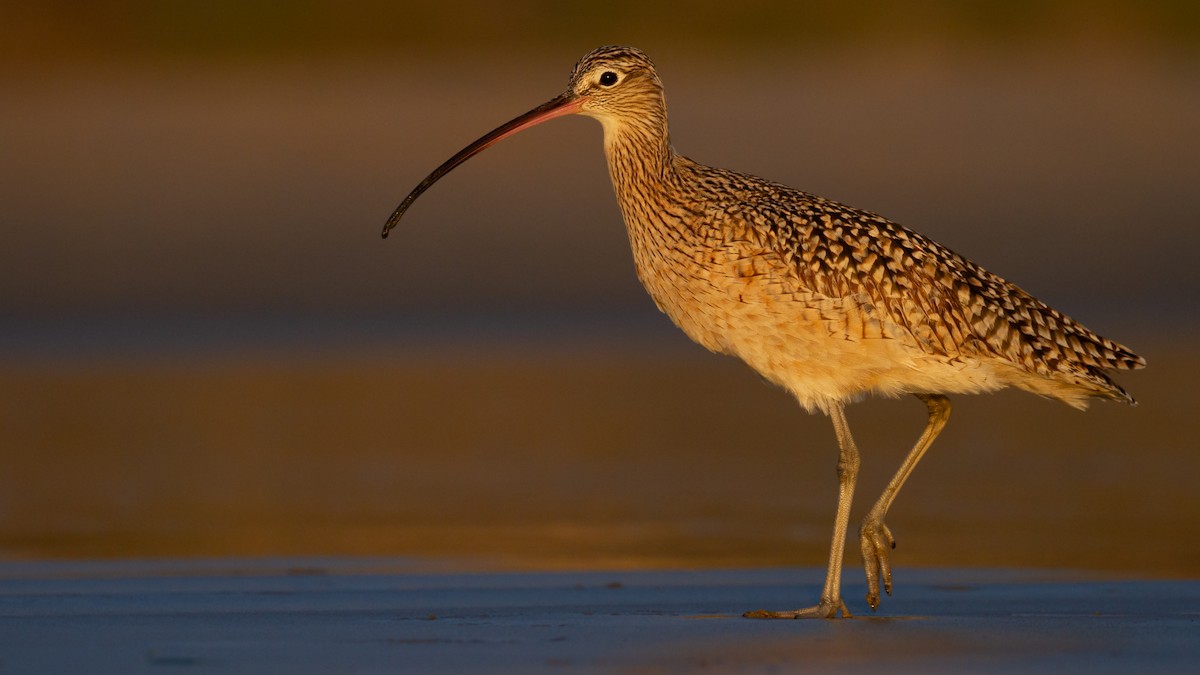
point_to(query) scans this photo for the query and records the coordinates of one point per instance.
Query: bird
(829, 302)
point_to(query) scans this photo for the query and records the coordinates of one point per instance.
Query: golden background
(206, 350)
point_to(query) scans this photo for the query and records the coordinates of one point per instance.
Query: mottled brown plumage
(828, 301)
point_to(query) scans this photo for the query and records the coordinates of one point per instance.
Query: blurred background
(206, 349)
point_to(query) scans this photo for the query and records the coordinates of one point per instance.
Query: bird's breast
(724, 290)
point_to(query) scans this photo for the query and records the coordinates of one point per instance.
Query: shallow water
(328, 616)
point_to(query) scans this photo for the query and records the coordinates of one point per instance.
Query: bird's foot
(828, 609)
(877, 543)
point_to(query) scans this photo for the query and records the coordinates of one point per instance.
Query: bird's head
(615, 85)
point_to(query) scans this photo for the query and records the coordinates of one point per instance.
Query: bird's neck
(653, 193)
(641, 161)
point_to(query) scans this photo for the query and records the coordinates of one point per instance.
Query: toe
(876, 541)
(828, 609)
(871, 565)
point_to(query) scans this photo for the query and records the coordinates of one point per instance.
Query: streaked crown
(621, 87)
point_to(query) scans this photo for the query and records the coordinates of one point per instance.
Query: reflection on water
(581, 458)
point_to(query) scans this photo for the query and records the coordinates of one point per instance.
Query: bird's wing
(948, 304)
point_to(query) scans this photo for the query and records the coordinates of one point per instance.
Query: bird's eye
(608, 78)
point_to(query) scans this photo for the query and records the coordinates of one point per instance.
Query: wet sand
(330, 616)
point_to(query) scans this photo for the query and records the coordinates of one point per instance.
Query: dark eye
(608, 78)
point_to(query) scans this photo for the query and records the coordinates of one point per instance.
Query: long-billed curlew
(827, 301)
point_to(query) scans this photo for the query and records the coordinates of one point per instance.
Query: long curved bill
(564, 104)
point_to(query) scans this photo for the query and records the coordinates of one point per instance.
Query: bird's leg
(874, 537)
(847, 470)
